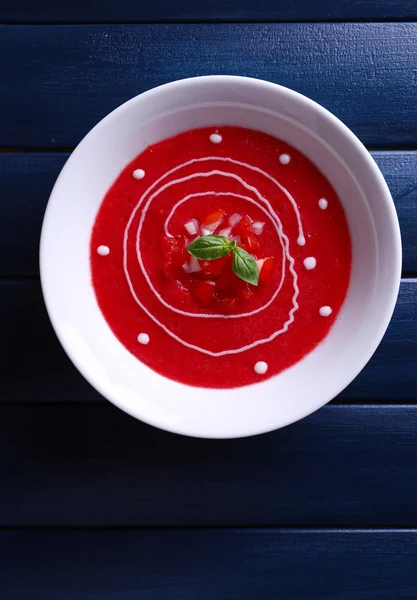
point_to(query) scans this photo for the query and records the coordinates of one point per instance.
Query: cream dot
(301, 241)
(323, 204)
(138, 174)
(310, 263)
(103, 250)
(284, 159)
(215, 138)
(143, 338)
(325, 311)
(260, 367)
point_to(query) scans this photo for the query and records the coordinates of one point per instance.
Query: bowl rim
(359, 148)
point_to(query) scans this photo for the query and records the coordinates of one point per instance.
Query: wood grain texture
(99, 11)
(400, 172)
(92, 465)
(26, 181)
(60, 81)
(191, 564)
(35, 368)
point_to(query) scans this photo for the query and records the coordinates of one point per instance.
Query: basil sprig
(211, 247)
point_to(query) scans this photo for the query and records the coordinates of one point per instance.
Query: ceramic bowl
(164, 112)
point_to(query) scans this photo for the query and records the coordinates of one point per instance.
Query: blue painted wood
(85, 465)
(400, 172)
(201, 564)
(60, 81)
(50, 377)
(34, 359)
(99, 11)
(26, 181)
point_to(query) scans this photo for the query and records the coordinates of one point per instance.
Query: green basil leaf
(210, 247)
(244, 266)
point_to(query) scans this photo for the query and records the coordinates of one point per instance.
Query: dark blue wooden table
(94, 505)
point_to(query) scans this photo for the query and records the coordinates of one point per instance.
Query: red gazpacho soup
(197, 321)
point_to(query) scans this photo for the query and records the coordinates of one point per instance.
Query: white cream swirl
(262, 203)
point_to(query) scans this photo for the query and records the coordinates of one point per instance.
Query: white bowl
(65, 266)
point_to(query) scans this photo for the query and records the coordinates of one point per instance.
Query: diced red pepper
(266, 267)
(203, 291)
(217, 215)
(212, 222)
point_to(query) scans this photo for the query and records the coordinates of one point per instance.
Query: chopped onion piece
(192, 227)
(234, 219)
(236, 238)
(226, 231)
(194, 265)
(257, 227)
(211, 228)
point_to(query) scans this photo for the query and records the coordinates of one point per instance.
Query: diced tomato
(217, 215)
(226, 280)
(252, 242)
(245, 226)
(244, 247)
(214, 267)
(203, 291)
(266, 267)
(227, 304)
(245, 293)
(249, 239)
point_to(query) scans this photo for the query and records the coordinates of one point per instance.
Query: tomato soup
(196, 321)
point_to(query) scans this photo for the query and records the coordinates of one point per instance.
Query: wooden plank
(96, 11)
(400, 172)
(207, 564)
(26, 180)
(30, 375)
(86, 465)
(34, 361)
(60, 81)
